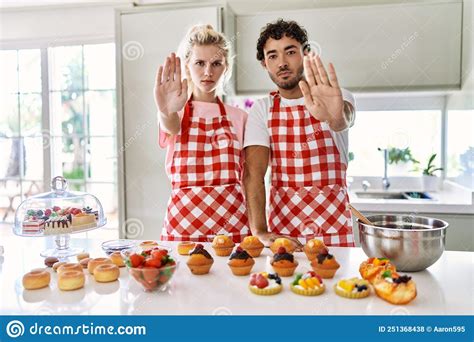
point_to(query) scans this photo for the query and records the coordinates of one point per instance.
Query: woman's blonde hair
(202, 35)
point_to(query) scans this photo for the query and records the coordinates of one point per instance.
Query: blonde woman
(204, 140)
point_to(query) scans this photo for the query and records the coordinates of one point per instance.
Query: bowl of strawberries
(152, 269)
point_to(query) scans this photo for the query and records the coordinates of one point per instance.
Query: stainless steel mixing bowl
(412, 243)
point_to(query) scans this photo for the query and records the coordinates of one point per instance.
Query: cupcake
(185, 247)
(265, 284)
(353, 288)
(372, 267)
(200, 261)
(394, 288)
(308, 284)
(325, 265)
(283, 242)
(223, 245)
(240, 262)
(252, 245)
(284, 263)
(313, 247)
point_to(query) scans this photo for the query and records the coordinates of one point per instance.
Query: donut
(117, 259)
(50, 261)
(93, 263)
(58, 264)
(85, 262)
(36, 279)
(71, 280)
(69, 267)
(81, 256)
(105, 273)
(146, 245)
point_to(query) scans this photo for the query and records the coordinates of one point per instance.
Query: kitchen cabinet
(387, 47)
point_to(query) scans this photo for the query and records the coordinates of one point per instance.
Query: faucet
(385, 181)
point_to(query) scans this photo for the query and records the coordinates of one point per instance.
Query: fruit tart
(313, 247)
(325, 265)
(354, 288)
(252, 245)
(240, 262)
(265, 284)
(284, 263)
(200, 261)
(372, 267)
(289, 245)
(394, 288)
(308, 284)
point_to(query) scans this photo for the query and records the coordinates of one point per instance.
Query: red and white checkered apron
(308, 194)
(206, 197)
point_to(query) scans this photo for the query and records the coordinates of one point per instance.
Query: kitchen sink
(402, 195)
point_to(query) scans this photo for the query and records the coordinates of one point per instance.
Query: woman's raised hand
(170, 92)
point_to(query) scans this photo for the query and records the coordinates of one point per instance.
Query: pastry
(353, 288)
(33, 225)
(147, 245)
(265, 284)
(313, 247)
(223, 245)
(56, 265)
(106, 273)
(85, 262)
(83, 220)
(283, 242)
(93, 263)
(372, 267)
(325, 265)
(71, 280)
(36, 279)
(284, 263)
(50, 261)
(185, 247)
(57, 225)
(394, 288)
(81, 256)
(252, 245)
(69, 267)
(308, 284)
(117, 259)
(240, 262)
(200, 261)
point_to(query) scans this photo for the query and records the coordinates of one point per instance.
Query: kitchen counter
(444, 289)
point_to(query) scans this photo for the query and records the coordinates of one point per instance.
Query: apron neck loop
(276, 101)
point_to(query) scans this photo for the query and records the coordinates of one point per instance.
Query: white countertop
(445, 288)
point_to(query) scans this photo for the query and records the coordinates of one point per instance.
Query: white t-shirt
(257, 132)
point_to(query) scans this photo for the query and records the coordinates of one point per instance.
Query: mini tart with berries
(354, 288)
(200, 261)
(325, 265)
(240, 262)
(394, 288)
(283, 242)
(223, 245)
(284, 263)
(313, 247)
(372, 267)
(265, 284)
(252, 245)
(308, 284)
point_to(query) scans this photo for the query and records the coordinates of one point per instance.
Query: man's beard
(288, 84)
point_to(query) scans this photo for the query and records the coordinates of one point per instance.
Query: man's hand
(267, 239)
(322, 94)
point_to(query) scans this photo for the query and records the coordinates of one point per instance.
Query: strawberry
(56, 208)
(152, 262)
(47, 212)
(136, 260)
(150, 274)
(281, 250)
(253, 279)
(261, 282)
(158, 253)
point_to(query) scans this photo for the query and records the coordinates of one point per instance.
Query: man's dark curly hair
(277, 30)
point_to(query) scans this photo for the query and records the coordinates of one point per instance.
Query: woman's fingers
(308, 72)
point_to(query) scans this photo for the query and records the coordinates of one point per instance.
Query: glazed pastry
(223, 245)
(252, 245)
(308, 284)
(81, 256)
(185, 247)
(93, 263)
(394, 288)
(85, 262)
(147, 245)
(200, 261)
(106, 273)
(117, 259)
(284, 263)
(265, 284)
(283, 242)
(71, 280)
(58, 264)
(50, 261)
(36, 279)
(325, 265)
(69, 267)
(313, 247)
(353, 288)
(240, 262)
(372, 267)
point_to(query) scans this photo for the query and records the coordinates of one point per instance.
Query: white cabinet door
(385, 47)
(144, 38)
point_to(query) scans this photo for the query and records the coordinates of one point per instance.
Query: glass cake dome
(59, 213)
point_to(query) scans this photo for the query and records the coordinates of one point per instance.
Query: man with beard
(300, 131)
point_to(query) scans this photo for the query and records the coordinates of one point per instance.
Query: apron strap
(276, 101)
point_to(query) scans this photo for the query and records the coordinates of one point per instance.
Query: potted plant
(399, 159)
(430, 180)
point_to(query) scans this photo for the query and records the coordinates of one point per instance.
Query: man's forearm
(343, 122)
(255, 197)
